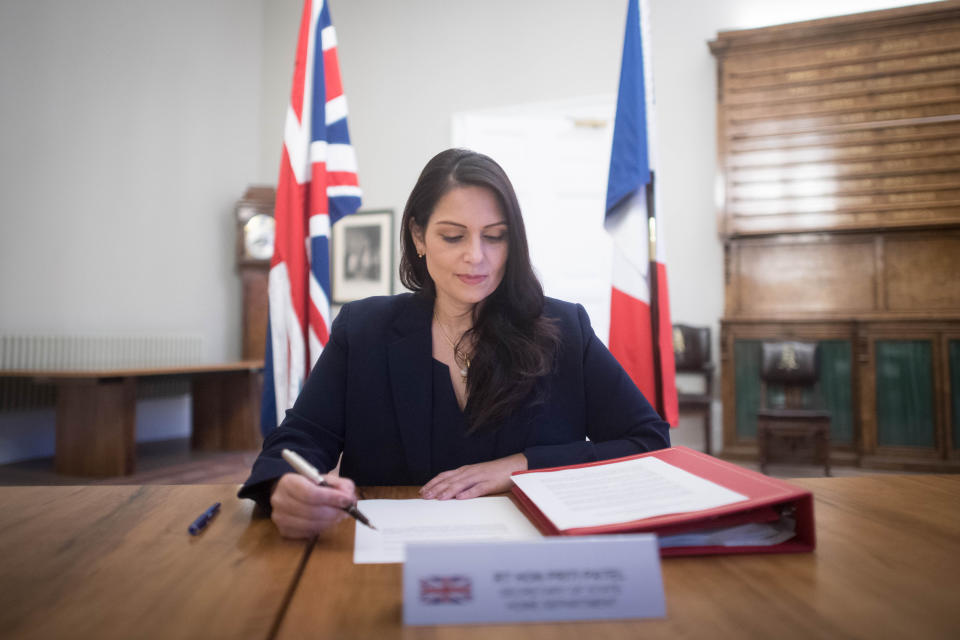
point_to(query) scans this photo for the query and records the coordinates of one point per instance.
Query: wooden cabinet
(909, 386)
(847, 123)
(892, 388)
(254, 266)
(740, 342)
(839, 158)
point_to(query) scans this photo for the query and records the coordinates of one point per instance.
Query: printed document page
(401, 521)
(620, 492)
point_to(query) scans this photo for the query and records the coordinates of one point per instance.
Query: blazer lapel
(410, 361)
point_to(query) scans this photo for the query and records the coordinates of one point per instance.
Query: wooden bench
(96, 412)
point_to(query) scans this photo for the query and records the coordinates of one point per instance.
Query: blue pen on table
(201, 523)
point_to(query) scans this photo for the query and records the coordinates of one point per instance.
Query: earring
(420, 254)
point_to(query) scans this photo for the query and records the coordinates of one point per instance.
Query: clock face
(258, 237)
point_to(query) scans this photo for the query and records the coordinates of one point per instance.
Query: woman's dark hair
(515, 344)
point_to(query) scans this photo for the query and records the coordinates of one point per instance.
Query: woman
(457, 385)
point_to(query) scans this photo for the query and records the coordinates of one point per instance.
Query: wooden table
(887, 565)
(116, 562)
(96, 412)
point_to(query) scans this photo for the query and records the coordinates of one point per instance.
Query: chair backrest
(691, 347)
(793, 365)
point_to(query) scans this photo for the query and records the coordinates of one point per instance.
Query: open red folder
(768, 500)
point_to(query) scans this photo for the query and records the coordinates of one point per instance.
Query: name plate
(548, 580)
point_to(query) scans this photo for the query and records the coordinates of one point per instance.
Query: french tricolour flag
(317, 186)
(640, 330)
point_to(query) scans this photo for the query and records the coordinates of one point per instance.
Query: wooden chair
(691, 353)
(793, 430)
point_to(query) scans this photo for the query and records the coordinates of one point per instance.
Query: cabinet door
(953, 403)
(905, 393)
(833, 392)
(906, 382)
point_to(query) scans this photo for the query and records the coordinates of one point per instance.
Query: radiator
(65, 353)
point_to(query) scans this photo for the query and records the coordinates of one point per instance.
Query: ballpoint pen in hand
(308, 471)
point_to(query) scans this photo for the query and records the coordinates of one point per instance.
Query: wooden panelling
(852, 104)
(776, 278)
(858, 168)
(807, 188)
(907, 274)
(841, 124)
(840, 120)
(788, 83)
(779, 90)
(862, 45)
(832, 154)
(922, 272)
(847, 221)
(865, 203)
(929, 129)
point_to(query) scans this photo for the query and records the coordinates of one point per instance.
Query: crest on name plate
(446, 590)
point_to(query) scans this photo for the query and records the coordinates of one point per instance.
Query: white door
(557, 156)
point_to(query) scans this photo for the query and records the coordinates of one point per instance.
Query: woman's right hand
(302, 509)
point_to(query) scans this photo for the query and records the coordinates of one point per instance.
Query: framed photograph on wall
(362, 256)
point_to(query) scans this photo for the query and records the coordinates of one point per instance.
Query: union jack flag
(446, 590)
(317, 186)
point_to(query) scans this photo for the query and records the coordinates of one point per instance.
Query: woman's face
(465, 246)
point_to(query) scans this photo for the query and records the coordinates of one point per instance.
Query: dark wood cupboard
(839, 158)
(254, 269)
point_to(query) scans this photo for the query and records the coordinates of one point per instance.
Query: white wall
(128, 130)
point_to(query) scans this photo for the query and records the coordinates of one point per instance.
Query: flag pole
(654, 297)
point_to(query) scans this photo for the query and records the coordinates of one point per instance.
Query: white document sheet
(620, 492)
(401, 521)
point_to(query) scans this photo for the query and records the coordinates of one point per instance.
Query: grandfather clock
(254, 230)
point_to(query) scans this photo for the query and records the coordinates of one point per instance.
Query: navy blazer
(370, 397)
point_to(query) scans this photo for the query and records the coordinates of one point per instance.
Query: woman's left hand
(474, 480)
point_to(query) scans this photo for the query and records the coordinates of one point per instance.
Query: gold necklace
(458, 354)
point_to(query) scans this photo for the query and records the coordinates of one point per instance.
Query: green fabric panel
(905, 393)
(836, 388)
(746, 360)
(955, 390)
